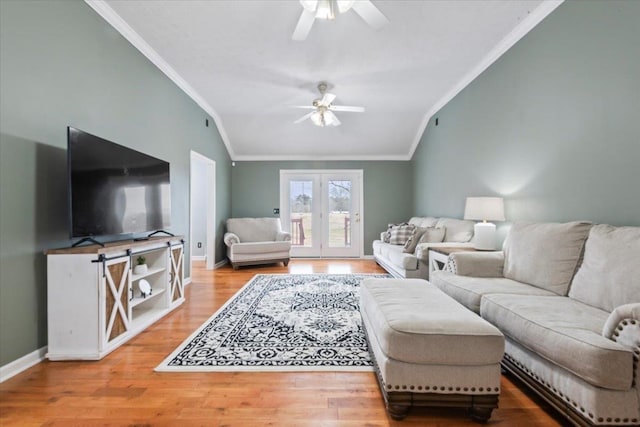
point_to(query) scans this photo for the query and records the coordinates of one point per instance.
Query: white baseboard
(25, 362)
(220, 264)
(198, 257)
(187, 280)
(368, 257)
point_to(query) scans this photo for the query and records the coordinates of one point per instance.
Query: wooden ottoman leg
(398, 412)
(482, 407)
(480, 415)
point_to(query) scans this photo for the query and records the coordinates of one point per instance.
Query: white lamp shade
(484, 209)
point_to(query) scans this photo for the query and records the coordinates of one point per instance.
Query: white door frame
(300, 173)
(210, 190)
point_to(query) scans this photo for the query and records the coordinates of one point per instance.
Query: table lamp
(484, 209)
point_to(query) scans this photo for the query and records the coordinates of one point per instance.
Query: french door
(322, 211)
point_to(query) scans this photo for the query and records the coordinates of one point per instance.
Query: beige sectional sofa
(567, 299)
(415, 264)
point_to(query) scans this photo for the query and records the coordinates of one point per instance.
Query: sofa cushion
(469, 290)
(396, 255)
(441, 334)
(261, 247)
(610, 272)
(433, 235)
(254, 229)
(399, 234)
(565, 332)
(545, 255)
(456, 230)
(423, 221)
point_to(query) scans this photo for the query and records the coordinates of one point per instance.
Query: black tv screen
(114, 189)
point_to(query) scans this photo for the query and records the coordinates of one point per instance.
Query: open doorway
(203, 209)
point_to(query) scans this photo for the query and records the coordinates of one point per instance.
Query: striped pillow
(399, 234)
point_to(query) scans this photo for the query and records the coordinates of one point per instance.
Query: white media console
(94, 302)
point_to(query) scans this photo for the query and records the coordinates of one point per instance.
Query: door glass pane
(300, 205)
(339, 214)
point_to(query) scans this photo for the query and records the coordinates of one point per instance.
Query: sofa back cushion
(545, 255)
(456, 230)
(610, 272)
(254, 229)
(419, 221)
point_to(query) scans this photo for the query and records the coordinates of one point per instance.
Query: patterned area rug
(288, 322)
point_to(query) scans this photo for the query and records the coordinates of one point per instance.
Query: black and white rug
(281, 322)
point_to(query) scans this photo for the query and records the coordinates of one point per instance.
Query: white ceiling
(236, 59)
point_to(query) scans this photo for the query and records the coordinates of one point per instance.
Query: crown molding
(113, 19)
(283, 158)
(527, 24)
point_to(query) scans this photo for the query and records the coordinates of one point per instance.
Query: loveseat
(252, 241)
(567, 299)
(403, 250)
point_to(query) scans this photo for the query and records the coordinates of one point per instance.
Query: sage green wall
(553, 125)
(387, 190)
(60, 65)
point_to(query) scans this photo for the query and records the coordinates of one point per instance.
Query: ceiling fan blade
(303, 118)
(306, 107)
(331, 119)
(327, 99)
(349, 108)
(304, 25)
(370, 14)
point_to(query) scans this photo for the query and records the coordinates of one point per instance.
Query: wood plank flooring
(123, 389)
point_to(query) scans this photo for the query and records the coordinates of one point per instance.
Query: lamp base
(484, 238)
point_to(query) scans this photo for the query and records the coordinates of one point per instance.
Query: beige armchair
(252, 241)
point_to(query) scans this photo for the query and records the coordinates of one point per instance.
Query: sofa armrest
(383, 236)
(230, 239)
(476, 264)
(623, 326)
(283, 236)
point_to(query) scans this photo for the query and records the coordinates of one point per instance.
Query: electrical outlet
(199, 244)
(276, 211)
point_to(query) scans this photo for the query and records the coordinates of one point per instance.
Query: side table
(438, 255)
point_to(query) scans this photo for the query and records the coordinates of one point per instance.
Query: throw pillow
(410, 245)
(433, 235)
(388, 233)
(400, 234)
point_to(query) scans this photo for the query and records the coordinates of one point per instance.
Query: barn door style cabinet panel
(98, 299)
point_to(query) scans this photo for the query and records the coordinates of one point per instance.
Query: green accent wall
(387, 190)
(553, 125)
(60, 65)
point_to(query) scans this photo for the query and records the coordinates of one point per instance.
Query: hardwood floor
(123, 389)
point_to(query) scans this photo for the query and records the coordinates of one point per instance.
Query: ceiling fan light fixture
(317, 118)
(327, 9)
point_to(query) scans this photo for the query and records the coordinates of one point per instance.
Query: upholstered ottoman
(428, 349)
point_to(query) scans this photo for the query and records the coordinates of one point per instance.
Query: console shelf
(139, 300)
(150, 272)
(94, 300)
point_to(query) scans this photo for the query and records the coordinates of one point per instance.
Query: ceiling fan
(322, 114)
(329, 9)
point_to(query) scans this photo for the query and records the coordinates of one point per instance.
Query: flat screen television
(113, 189)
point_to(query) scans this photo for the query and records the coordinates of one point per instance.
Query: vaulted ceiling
(237, 60)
